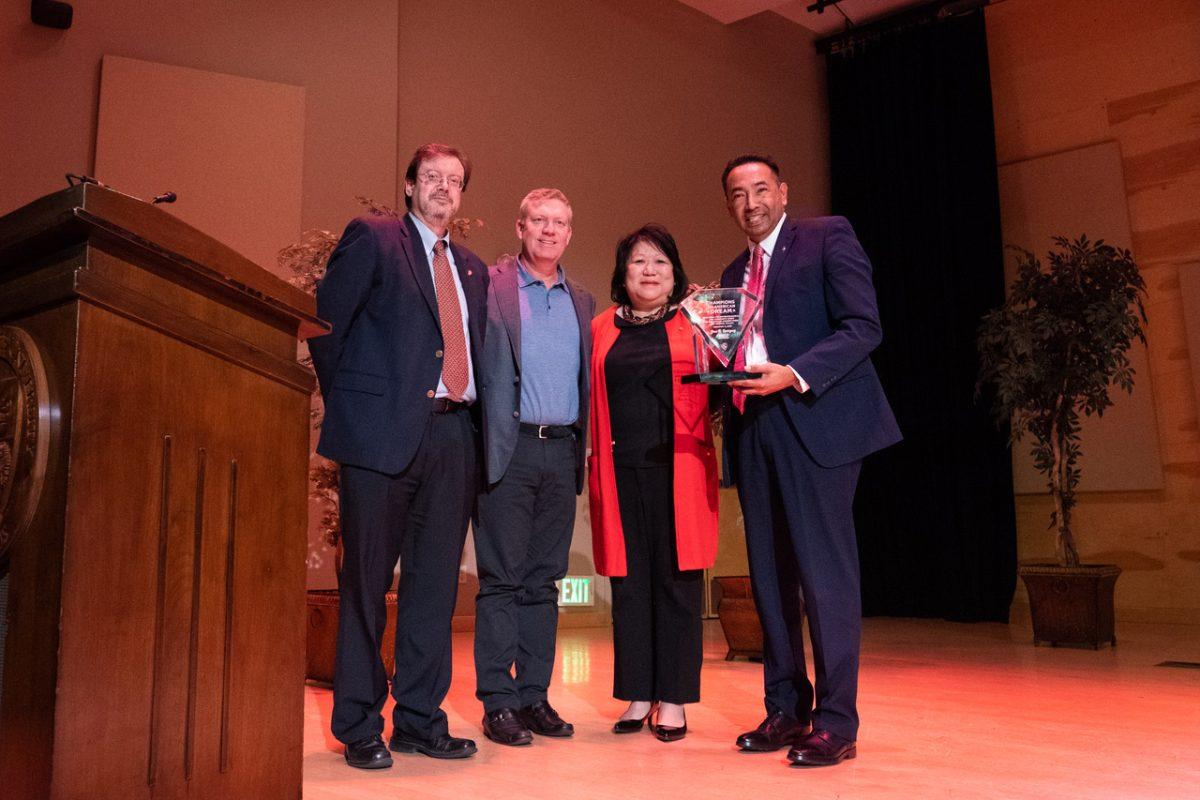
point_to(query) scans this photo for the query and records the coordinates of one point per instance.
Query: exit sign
(575, 591)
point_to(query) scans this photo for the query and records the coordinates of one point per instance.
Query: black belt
(547, 431)
(444, 405)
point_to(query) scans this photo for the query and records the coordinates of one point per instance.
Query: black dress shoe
(632, 725)
(368, 754)
(444, 746)
(821, 748)
(668, 733)
(503, 727)
(542, 719)
(776, 731)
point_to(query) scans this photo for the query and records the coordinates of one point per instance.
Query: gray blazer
(501, 369)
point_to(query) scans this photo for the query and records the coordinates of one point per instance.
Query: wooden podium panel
(155, 642)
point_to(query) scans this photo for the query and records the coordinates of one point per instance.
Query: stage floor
(948, 710)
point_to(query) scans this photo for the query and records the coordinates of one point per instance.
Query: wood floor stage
(948, 710)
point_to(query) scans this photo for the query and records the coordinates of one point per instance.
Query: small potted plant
(1050, 354)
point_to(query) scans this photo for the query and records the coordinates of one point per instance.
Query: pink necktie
(755, 286)
(454, 361)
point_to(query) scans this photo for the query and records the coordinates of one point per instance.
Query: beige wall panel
(1159, 168)
(1057, 64)
(1168, 242)
(232, 148)
(1157, 119)
(1068, 194)
(343, 55)
(1166, 202)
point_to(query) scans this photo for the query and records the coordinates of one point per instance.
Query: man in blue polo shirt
(535, 399)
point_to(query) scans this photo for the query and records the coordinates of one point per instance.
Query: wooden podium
(153, 471)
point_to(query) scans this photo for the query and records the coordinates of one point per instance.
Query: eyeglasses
(435, 177)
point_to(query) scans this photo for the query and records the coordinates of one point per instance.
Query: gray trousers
(522, 543)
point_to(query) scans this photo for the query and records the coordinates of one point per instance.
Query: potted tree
(1051, 353)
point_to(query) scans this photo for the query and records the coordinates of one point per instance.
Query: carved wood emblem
(24, 433)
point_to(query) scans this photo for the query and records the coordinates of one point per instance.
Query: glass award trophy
(720, 320)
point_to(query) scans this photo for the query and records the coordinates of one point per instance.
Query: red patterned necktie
(454, 344)
(755, 286)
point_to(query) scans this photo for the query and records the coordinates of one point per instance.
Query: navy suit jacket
(501, 369)
(820, 318)
(380, 365)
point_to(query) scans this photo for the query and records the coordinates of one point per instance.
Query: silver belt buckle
(542, 431)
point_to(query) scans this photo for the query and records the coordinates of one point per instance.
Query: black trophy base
(724, 376)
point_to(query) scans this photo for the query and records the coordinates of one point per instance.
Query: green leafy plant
(1052, 352)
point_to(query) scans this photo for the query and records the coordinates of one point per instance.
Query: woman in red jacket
(652, 484)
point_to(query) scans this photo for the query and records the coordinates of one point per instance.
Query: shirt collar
(768, 244)
(428, 237)
(525, 279)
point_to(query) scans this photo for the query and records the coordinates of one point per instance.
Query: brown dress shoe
(821, 748)
(776, 731)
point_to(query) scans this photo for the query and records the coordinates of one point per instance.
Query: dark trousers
(658, 640)
(800, 538)
(419, 516)
(522, 544)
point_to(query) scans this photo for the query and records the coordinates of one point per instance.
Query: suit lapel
(509, 302)
(585, 322)
(581, 312)
(419, 264)
(783, 246)
(735, 273)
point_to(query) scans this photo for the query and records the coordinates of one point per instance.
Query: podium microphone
(165, 197)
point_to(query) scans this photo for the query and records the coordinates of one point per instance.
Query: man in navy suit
(397, 374)
(795, 438)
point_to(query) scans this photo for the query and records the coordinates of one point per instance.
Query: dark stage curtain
(913, 167)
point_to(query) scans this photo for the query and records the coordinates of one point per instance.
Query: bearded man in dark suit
(398, 376)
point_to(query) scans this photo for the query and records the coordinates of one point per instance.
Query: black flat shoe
(633, 725)
(668, 733)
(444, 746)
(368, 754)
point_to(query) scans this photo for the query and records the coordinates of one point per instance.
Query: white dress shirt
(756, 343)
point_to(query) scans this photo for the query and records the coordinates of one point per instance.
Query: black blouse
(638, 372)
